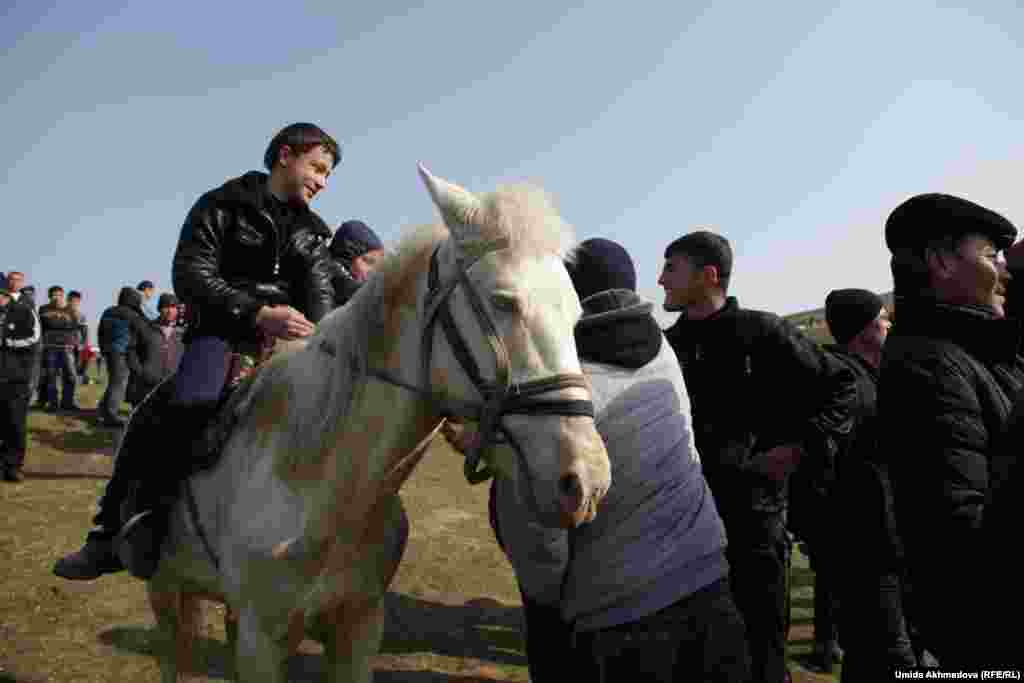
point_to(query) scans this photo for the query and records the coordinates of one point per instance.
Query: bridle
(497, 398)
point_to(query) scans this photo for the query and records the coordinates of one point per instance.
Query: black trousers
(14, 397)
(117, 385)
(698, 638)
(826, 595)
(873, 629)
(758, 554)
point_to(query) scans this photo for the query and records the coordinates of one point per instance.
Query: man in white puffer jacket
(642, 592)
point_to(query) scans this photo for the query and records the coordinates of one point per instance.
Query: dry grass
(453, 613)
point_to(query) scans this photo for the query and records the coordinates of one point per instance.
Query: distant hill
(813, 322)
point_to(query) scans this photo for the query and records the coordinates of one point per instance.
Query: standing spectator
(26, 294)
(873, 628)
(148, 290)
(950, 371)
(60, 333)
(145, 361)
(736, 363)
(82, 341)
(119, 329)
(19, 333)
(171, 344)
(355, 251)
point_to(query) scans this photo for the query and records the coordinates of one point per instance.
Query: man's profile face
(304, 175)
(169, 314)
(976, 275)
(15, 281)
(684, 284)
(147, 293)
(877, 330)
(74, 303)
(363, 265)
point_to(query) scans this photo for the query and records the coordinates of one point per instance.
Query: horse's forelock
(528, 217)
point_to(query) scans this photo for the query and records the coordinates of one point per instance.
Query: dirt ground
(453, 611)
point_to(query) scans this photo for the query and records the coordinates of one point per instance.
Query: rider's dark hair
(300, 138)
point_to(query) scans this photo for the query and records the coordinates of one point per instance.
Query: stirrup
(139, 542)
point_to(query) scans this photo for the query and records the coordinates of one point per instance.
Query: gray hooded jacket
(657, 537)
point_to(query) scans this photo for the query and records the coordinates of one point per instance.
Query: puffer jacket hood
(617, 328)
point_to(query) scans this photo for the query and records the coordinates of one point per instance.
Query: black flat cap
(926, 217)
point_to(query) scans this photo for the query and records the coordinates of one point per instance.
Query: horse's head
(504, 343)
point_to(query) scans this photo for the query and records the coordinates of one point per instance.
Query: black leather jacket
(241, 249)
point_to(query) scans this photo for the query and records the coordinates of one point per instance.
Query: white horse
(299, 528)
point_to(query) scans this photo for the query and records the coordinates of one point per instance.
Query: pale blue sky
(790, 128)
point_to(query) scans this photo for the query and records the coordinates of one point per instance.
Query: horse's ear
(458, 206)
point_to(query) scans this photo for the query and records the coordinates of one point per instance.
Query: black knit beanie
(352, 240)
(599, 265)
(848, 311)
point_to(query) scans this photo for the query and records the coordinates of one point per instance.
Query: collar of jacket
(251, 190)
(975, 328)
(852, 357)
(617, 328)
(731, 307)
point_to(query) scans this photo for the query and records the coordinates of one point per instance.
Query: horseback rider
(252, 265)
(355, 249)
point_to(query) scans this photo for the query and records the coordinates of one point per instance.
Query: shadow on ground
(482, 629)
(87, 440)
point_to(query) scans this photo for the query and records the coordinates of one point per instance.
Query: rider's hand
(283, 322)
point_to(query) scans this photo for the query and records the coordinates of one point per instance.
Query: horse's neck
(367, 458)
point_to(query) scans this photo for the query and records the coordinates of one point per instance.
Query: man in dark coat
(119, 332)
(949, 373)
(355, 251)
(858, 528)
(60, 336)
(252, 267)
(19, 335)
(764, 397)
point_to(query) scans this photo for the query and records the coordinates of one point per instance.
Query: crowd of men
(890, 453)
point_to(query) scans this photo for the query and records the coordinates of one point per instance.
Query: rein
(497, 398)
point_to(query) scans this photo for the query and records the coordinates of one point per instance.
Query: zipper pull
(277, 267)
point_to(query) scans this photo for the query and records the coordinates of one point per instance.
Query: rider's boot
(98, 556)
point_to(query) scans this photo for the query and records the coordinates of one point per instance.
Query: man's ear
(711, 275)
(284, 155)
(939, 262)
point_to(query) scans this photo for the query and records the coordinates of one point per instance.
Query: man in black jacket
(119, 331)
(950, 371)
(764, 397)
(858, 540)
(252, 267)
(60, 335)
(19, 335)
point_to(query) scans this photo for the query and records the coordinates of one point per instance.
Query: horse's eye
(505, 303)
